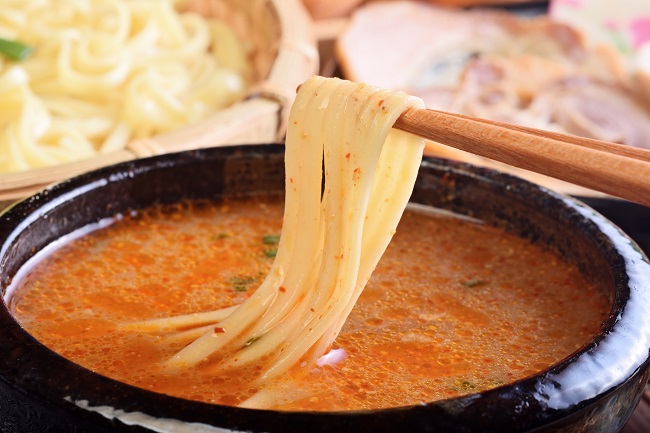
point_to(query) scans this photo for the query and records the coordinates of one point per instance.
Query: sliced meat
(596, 110)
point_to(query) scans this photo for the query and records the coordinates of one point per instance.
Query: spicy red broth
(454, 306)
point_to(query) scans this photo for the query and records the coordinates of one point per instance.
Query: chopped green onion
(466, 384)
(240, 284)
(219, 236)
(475, 283)
(271, 239)
(270, 253)
(251, 341)
(14, 50)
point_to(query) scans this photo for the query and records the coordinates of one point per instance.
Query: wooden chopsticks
(615, 169)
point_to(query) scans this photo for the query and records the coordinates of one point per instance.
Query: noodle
(105, 72)
(328, 247)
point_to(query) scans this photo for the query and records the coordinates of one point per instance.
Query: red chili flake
(380, 102)
(312, 309)
(282, 289)
(347, 155)
(219, 330)
(291, 179)
(357, 170)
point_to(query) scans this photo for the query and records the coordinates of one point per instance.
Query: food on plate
(234, 302)
(104, 72)
(627, 28)
(326, 9)
(496, 65)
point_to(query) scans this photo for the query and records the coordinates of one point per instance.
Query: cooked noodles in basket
(102, 73)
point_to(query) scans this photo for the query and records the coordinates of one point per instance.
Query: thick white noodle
(330, 246)
(105, 72)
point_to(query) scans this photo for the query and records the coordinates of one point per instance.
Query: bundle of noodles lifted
(334, 233)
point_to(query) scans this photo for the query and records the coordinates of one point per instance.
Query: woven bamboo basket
(285, 55)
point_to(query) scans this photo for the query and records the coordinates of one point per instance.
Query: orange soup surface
(454, 306)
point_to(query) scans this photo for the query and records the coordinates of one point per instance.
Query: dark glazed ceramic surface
(42, 392)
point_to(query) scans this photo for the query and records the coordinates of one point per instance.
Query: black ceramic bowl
(594, 390)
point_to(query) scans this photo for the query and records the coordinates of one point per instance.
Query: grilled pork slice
(495, 65)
